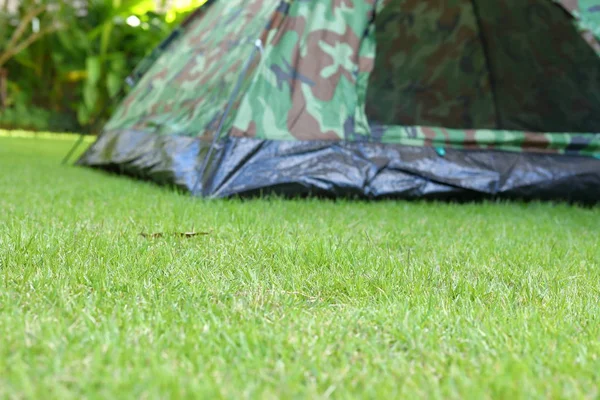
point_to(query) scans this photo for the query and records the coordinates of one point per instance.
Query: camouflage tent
(370, 98)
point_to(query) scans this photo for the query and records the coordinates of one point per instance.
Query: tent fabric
(504, 64)
(512, 86)
(488, 139)
(552, 80)
(310, 67)
(188, 87)
(364, 170)
(587, 18)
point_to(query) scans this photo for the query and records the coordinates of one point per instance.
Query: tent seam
(488, 64)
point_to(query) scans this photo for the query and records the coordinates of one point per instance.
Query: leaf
(90, 95)
(73, 41)
(180, 234)
(94, 69)
(151, 235)
(113, 83)
(75, 75)
(141, 7)
(118, 63)
(83, 114)
(105, 38)
(66, 39)
(24, 58)
(192, 234)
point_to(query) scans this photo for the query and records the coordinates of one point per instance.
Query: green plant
(75, 72)
(113, 50)
(16, 35)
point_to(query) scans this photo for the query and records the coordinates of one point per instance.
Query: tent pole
(130, 82)
(73, 148)
(488, 63)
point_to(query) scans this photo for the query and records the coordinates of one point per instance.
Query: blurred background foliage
(63, 61)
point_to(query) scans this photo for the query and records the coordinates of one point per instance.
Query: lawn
(284, 299)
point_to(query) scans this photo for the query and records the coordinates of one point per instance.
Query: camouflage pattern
(310, 67)
(431, 67)
(513, 75)
(504, 64)
(485, 139)
(587, 17)
(187, 88)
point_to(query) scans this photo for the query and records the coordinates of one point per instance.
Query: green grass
(286, 298)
